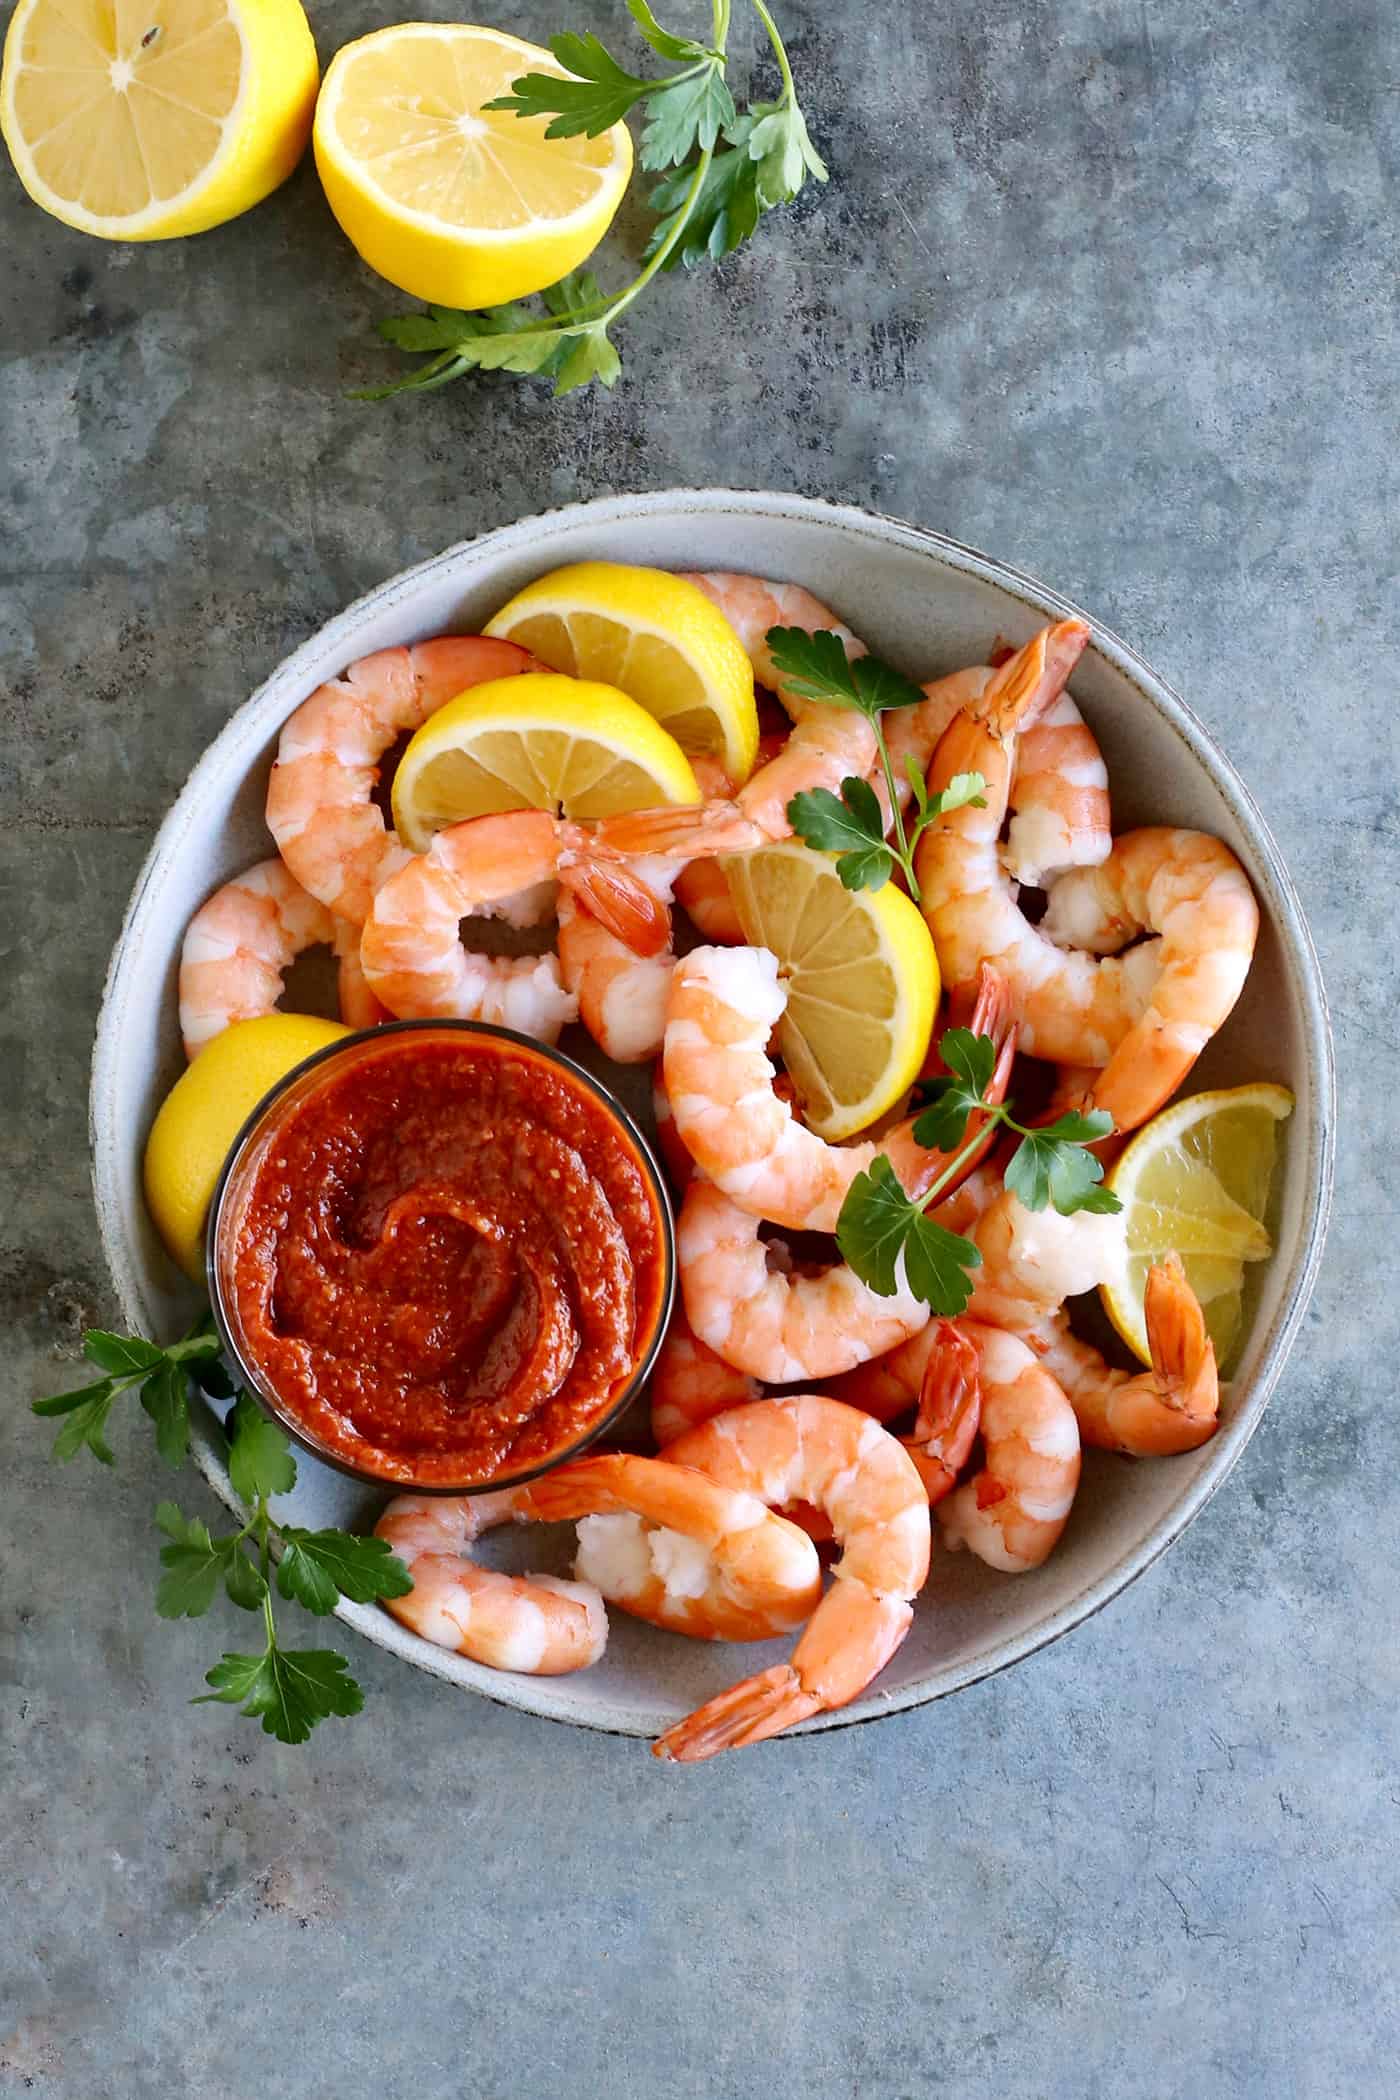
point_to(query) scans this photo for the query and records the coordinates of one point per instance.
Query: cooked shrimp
(771, 1320)
(725, 1003)
(674, 1546)
(1173, 1407)
(888, 1386)
(702, 886)
(621, 995)
(1058, 794)
(319, 806)
(412, 954)
(1188, 889)
(1032, 1260)
(533, 1623)
(358, 1006)
(674, 1157)
(1011, 1512)
(240, 944)
(814, 1450)
(689, 1383)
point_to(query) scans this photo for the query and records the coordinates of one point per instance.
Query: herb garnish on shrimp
(1051, 1166)
(852, 824)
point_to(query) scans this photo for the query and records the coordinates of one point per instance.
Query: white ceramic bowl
(927, 605)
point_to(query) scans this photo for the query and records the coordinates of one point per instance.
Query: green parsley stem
(779, 51)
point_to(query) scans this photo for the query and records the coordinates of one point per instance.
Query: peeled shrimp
(1058, 794)
(535, 1623)
(1032, 1260)
(414, 959)
(621, 995)
(702, 886)
(319, 806)
(813, 1450)
(725, 1003)
(674, 1546)
(689, 1383)
(1011, 1512)
(773, 1321)
(1188, 889)
(1173, 1407)
(240, 944)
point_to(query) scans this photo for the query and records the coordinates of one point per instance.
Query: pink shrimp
(240, 944)
(533, 1623)
(319, 798)
(689, 1383)
(1058, 792)
(739, 1125)
(621, 995)
(746, 1300)
(671, 1544)
(1011, 1513)
(414, 959)
(1173, 1407)
(810, 1449)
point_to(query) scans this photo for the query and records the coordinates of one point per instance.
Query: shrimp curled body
(809, 1449)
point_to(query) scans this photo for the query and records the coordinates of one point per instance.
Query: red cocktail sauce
(445, 1256)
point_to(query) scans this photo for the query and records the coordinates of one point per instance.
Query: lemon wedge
(537, 741)
(138, 123)
(654, 635)
(459, 204)
(1195, 1182)
(861, 976)
(204, 1112)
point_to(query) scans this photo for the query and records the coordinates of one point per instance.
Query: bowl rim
(251, 1131)
(547, 1697)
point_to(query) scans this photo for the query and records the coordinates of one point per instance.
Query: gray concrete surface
(1107, 289)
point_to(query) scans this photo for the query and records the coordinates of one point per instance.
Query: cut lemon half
(861, 977)
(138, 122)
(459, 204)
(1195, 1181)
(654, 635)
(536, 741)
(204, 1112)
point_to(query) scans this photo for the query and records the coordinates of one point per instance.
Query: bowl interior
(928, 606)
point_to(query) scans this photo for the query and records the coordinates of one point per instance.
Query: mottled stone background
(1109, 290)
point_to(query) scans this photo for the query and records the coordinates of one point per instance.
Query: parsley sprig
(852, 824)
(880, 1225)
(719, 170)
(289, 1689)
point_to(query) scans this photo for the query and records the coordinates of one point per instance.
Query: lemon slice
(536, 741)
(654, 635)
(204, 1112)
(138, 122)
(1195, 1182)
(861, 976)
(456, 203)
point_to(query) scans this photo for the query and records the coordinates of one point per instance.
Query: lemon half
(138, 122)
(536, 741)
(1195, 1181)
(459, 204)
(654, 635)
(861, 977)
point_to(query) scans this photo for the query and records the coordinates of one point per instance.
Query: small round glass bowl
(236, 1184)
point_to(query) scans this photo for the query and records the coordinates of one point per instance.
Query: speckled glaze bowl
(928, 605)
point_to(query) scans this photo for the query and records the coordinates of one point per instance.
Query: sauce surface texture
(446, 1259)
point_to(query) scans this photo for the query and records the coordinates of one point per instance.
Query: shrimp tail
(1034, 677)
(692, 831)
(1183, 1355)
(620, 901)
(750, 1712)
(950, 1411)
